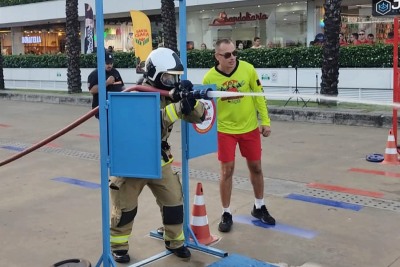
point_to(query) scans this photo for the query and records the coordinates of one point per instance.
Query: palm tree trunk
(169, 24)
(2, 86)
(73, 48)
(330, 64)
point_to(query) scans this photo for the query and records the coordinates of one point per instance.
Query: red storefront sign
(223, 18)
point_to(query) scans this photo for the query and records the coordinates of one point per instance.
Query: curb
(338, 117)
(48, 98)
(298, 114)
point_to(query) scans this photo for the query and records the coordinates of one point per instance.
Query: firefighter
(162, 70)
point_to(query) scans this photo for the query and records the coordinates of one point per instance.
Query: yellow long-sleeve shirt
(237, 115)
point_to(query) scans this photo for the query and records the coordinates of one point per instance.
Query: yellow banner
(142, 41)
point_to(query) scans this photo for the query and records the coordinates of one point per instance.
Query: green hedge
(19, 2)
(121, 60)
(377, 56)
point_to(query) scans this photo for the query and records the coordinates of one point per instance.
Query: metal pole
(184, 140)
(395, 74)
(106, 256)
(316, 83)
(185, 155)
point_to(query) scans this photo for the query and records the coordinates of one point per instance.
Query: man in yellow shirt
(238, 124)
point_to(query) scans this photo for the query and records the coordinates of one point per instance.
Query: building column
(263, 32)
(17, 45)
(272, 40)
(311, 21)
(83, 32)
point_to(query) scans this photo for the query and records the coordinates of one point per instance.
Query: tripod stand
(296, 91)
(316, 87)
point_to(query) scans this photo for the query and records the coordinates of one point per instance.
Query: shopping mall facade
(39, 28)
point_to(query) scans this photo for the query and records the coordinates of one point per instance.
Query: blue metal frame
(106, 258)
(185, 159)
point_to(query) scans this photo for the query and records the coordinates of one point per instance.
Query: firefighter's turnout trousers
(124, 196)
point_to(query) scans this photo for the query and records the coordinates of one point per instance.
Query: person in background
(240, 46)
(110, 49)
(238, 124)
(362, 38)
(354, 39)
(371, 38)
(114, 82)
(257, 43)
(203, 46)
(390, 38)
(319, 39)
(342, 40)
(189, 45)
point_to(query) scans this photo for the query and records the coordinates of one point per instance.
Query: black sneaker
(226, 222)
(181, 252)
(263, 215)
(121, 256)
(160, 230)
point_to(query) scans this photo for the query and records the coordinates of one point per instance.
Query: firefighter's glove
(186, 85)
(188, 101)
(175, 94)
(181, 90)
(187, 104)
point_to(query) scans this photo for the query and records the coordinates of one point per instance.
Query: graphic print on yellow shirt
(231, 86)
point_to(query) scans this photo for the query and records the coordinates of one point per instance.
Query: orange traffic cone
(391, 150)
(199, 221)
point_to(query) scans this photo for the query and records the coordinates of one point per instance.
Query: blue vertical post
(185, 148)
(182, 35)
(106, 256)
(184, 140)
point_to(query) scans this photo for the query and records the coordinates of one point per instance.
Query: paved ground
(43, 221)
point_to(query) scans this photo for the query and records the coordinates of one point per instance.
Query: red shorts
(249, 145)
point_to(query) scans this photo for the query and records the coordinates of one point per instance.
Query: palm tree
(330, 64)
(1, 71)
(73, 47)
(169, 24)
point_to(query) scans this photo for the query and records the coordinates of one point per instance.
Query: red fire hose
(78, 122)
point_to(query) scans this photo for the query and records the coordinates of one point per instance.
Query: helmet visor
(168, 79)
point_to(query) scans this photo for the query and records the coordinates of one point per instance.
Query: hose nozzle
(201, 94)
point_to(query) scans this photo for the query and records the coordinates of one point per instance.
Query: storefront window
(44, 39)
(277, 25)
(5, 41)
(118, 33)
(359, 18)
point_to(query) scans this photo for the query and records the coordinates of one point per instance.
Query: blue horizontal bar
(151, 259)
(14, 148)
(236, 260)
(326, 202)
(77, 182)
(279, 227)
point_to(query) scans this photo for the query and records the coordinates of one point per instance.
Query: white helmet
(163, 67)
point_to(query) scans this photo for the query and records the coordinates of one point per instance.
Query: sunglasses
(229, 54)
(360, 34)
